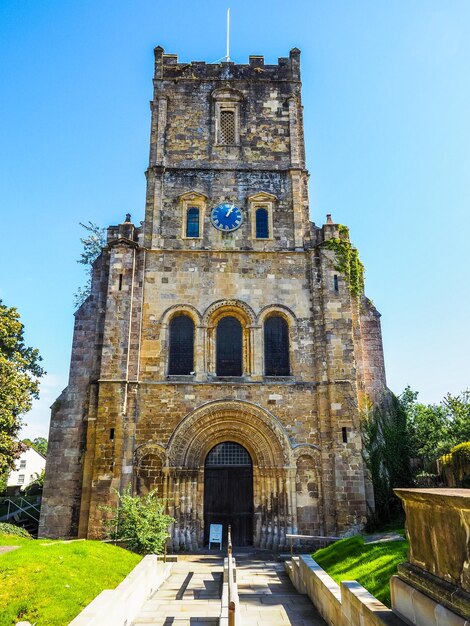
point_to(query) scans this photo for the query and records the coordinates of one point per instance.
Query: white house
(27, 466)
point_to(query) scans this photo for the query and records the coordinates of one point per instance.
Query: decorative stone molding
(277, 309)
(150, 448)
(262, 200)
(260, 432)
(306, 449)
(189, 200)
(178, 309)
(229, 305)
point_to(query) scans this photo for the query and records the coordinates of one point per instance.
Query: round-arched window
(228, 453)
(276, 346)
(229, 360)
(181, 359)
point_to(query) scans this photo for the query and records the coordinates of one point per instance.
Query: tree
(140, 521)
(458, 411)
(387, 454)
(19, 383)
(435, 428)
(39, 444)
(92, 246)
(36, 486)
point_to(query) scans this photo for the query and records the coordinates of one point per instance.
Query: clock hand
(230, 210)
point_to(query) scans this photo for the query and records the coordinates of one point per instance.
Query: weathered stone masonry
(124, 420)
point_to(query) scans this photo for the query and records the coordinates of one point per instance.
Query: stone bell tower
(224, 353)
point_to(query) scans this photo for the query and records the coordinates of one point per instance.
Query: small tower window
(227, 127)
(192, 222)
(335, 282)
(262, 223)
(276, 346)
(193, 206)
(181, 345)
(261, 206)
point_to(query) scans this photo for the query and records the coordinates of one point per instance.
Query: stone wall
(347, 604)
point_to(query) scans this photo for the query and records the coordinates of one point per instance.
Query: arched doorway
(228, 492)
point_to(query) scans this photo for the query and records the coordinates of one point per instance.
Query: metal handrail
(232, 585)
(30, 504)
(229, 615)
(19, 509)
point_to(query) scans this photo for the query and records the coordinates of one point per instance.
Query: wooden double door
(228, 499)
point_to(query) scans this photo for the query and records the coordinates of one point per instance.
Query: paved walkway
(267, 596)
(191, 595)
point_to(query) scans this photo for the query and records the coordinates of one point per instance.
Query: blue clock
(226, 217)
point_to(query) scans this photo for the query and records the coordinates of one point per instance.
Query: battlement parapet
(167, 67)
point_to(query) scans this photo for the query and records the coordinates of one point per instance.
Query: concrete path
(4, 549)
(191, 595)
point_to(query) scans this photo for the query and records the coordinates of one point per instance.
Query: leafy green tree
(140, 521)
(92, 246)
(458, 411)
(37, 485)
(435, 428)
(39, 444)
(19, 383)
(4, 481)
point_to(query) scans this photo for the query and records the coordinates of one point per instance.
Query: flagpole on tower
(227, 58)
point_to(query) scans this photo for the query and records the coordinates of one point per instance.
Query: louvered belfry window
(229, 347)
(181, 345)
(227, 127)
(192, 222)
(276, 346)
(262, 228)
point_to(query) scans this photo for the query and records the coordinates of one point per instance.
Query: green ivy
(349, 263)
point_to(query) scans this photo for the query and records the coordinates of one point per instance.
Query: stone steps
(191, 595)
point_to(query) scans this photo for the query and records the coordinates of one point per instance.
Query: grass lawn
(49, 582)
(371, 565)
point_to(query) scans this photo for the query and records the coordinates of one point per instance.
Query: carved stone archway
(262, 434)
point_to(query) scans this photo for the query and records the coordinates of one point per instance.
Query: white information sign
(215, 535)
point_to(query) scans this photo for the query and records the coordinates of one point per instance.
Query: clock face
(226, 217)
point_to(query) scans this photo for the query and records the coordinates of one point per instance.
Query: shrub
(461, 463)
(11, 529)
(455, 466)
(140, 521)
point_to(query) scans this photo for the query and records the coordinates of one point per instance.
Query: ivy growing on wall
(349, 263)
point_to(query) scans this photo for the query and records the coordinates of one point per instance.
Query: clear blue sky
(386, 92)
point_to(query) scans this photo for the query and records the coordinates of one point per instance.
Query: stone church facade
(221, 357)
